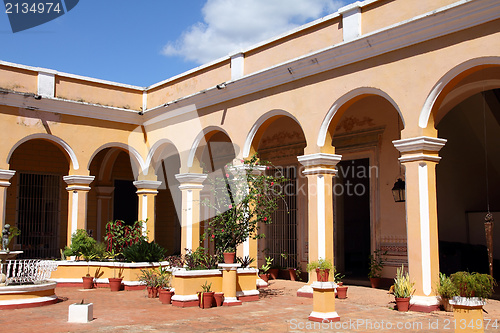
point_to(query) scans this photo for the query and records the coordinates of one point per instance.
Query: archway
(37, 201)
(280, 140)
(468, 175)
(366, 216)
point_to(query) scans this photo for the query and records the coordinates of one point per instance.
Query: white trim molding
(5, 176)
(46, 84)
(78, 180)
(191, 181)
(422, 148)
(320, 163)
(237, 65)
(425, 234)
(351, 21)
(147, 186)
(426, 301)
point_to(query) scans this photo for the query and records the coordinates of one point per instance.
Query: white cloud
(230, 25)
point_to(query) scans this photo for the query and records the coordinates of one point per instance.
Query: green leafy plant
(403, 287)
(245, 261)
(377, 260)
(13, 232)
(241, 200)
(206, 287)
(149, 277)
(337, 277)
(120, 235)
(164, 277)
(473, 284)
(81, 244)
(143, 251)
(446, 288)
(267, 266)
(199, 259)
(321, 264)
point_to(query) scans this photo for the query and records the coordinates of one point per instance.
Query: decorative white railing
(29, 270)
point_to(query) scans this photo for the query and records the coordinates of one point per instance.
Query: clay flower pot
(342, 292)
(322, 274)
(375, 282)
(88, 282)
(264, 277)
(206, 299)
(403, 303)
(165, 296)
(115, 284)
(293, 274)
(273, 272)
(152, 292)
(219, 299)
(229, 257)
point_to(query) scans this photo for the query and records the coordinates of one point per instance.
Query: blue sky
(144, 42)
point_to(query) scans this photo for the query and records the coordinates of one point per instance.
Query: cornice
(446, 20)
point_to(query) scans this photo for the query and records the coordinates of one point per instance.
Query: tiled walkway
(279, 310)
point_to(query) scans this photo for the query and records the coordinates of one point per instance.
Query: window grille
(38, 214)
(281, 234)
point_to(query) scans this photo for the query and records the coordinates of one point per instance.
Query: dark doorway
(352, 193)
(126, 203)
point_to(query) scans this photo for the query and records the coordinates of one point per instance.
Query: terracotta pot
(322, 274)
(273, 272)
(88, 282)
(165, 296)
(115, 284)
(403, 303)
(206, 299)
(219, 299)
(152, 292)
(293, 274)
(229, 257)
(342, 292)
(264, 277)
(445, 303)
(375, 282)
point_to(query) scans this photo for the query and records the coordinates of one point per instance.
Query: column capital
(78, 183)
(191, 181)
(147, 186)
(104, 191)
(320, 163)
(5, 176)
(422, 148)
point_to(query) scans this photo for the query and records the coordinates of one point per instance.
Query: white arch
(135, 157)
(425, 114)
(258, 124)
(157, 146)
(197, 140)
(60, 142)
(344, 99)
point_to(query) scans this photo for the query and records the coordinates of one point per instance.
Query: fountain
(23, 283)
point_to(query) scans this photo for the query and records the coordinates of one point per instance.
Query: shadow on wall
(454, 257)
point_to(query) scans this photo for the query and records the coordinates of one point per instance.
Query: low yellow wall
(246, 279)
(70, 271)
(190, 282)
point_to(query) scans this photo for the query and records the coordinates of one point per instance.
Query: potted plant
(115, 283)
(322, 268)
(150, 279)
(245, 261)
(473, 290)
(377, 260)
(83, 246)
(164, 285)
(341, 289)
(206, 295)
(295, 271)
(402, 289)
(242, 198)
(264, 269)
(446, 290)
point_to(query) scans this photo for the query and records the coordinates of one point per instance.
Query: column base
(185, 301)
(231, 301)
(324, 317)
(305, 291)
(424, 303)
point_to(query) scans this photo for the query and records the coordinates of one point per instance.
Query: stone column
(229, 283)
(320, 170)
(104, 208)
(324, 303)
(78, 188)
(5, 176)
(420, 156)
(191, 185)
(147, 191)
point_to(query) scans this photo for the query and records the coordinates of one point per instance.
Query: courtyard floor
(278, 310)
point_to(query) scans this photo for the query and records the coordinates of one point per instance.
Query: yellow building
(345, 105)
